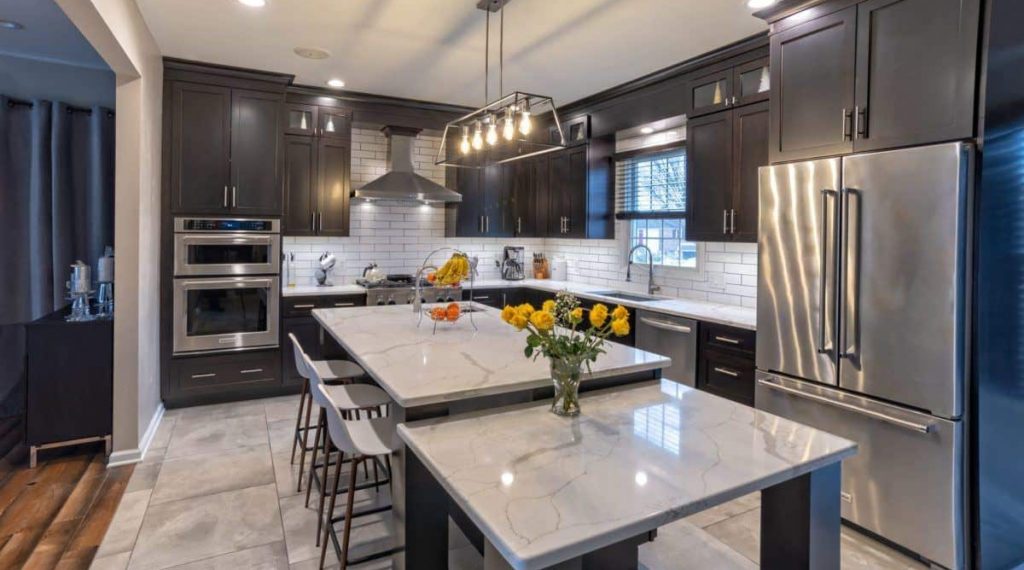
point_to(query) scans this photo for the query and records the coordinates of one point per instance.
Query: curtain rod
(71, 108)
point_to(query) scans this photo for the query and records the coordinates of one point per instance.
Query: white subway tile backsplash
(397, 236)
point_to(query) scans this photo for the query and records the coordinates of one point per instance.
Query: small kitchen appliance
(327, 262)
(79, 291)
(512, 263)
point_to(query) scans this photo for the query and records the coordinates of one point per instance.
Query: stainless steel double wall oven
(226, 284)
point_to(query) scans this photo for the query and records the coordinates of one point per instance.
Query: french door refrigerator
(861, 329)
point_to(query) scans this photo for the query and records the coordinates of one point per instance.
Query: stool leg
(321, 431)
(298, 418)
(330, 514)
(305, 442)
(348, 514)
(323, 496)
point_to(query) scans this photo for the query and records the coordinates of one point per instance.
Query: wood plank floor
(54, 516)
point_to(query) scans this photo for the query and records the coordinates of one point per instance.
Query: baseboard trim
(135, 455)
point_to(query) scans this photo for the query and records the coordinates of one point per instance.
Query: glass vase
(565, 375)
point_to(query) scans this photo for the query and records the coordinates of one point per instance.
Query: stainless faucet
(651, 287)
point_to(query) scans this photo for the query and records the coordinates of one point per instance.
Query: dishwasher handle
(666, 326)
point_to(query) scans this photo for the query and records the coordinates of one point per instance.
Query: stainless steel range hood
(401, 182)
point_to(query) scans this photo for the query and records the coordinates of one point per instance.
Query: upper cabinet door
(540, 176)
(750, 152)
(524, 199)
(200, 148)
(335, 123)
(469, 213)
(300, 179)
(915, 72)
(710, 93)
(559, 197)
(300, 119)
(333, 165)
(751, 82)
(812, 78)
(255, 152)
(709, 168)
(576, 216)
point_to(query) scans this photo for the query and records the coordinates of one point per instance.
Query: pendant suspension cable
(501, 52)
(487, 57)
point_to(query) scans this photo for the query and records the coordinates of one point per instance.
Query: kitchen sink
(635, 297)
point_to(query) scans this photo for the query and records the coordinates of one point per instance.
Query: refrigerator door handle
(844, 265)
(925, 427)
(822, 347)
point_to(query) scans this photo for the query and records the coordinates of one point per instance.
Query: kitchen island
(551, 492)
(457, 369)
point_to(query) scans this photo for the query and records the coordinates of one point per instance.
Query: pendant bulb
(509, 131)
(492, 132)
(464, 145)
(478, 139)
(525, 125)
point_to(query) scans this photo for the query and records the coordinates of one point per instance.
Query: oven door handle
(221, 239)
(226, 283)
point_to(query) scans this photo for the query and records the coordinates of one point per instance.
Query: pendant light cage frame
(545, 135)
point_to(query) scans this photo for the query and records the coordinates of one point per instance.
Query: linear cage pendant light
(506, 129)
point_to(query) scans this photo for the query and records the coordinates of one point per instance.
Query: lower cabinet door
(233, 372)
(727, 375)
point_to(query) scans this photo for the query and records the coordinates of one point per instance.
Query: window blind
(651, 185)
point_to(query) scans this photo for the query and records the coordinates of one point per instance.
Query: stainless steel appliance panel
(906, 481)
(671, 336)
(226, 254)
(220, 314)
(797, 269)
(904, 265)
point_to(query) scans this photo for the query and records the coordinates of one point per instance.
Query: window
(652, 196)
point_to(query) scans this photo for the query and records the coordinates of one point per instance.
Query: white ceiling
(433, 49)
(47, 34)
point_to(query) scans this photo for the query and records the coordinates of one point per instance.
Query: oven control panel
(226, 225)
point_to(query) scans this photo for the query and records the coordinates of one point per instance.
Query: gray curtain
(56, 206)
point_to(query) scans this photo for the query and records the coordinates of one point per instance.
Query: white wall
(25, 78)
(398, 235)
(116, 30)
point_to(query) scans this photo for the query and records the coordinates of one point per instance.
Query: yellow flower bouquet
(569, 336)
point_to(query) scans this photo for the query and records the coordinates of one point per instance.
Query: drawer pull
(344, 304)
(726, 339)
(303, 306)
(727, 372)
(487, 298)
(252, 371)
(198, 376)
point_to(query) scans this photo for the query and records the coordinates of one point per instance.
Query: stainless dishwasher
(674, 337)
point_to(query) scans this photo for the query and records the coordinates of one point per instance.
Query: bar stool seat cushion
(357, 396)
(337, 369)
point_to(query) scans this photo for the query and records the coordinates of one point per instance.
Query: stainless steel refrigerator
(862, 329)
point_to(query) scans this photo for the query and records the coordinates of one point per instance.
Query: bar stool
(351, 401)
(363, 440)
(329, 371)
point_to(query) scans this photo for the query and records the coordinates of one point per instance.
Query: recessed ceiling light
(335, 83)
(312, 53)
(647, 130)
(254, 3)
(756, 4)
(10, 25)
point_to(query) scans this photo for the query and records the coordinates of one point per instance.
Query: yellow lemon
(543, 320)
(620, 327)
(620, 313)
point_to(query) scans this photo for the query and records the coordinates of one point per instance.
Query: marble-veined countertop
(418, 367)
(544, 489)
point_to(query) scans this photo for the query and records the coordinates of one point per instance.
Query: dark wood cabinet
(486, 207)
(877, 75)
(200, 147)
(300, 119)
(252, 372)
(709, 170)
(317, 177)
(334, 123)
(710, 92)
(318, 344)
(469, 212)
(729, 87)
(813, 69)
(916, 64)
(750, 152)
(225, 150)
(523, 199)
(725, 362)
(751, 82)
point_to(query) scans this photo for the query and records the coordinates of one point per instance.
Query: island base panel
(800, 520)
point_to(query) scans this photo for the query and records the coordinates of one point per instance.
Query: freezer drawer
(906, 481)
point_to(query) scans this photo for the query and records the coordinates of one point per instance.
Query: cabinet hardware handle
(519, 225)
(727, 372)
(726, 340)
(487, 224)
(861, 122)
(320, 227)
(847, 119)
(198, 376)
(234, 196)
(251, 371)
(303, 306)
(487, 298)
(725, 221)
(312, 223)
(225, 196)
(732, 221)
(344, 304)
(666, 326)
(567, 224)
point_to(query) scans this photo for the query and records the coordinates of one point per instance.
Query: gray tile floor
(217, 490)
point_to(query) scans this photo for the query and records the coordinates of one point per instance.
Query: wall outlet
(716, 281)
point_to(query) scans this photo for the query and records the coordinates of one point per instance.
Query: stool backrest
(300, 357)
(313, 377)
(336, 426)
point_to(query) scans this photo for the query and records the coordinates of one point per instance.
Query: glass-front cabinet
(751, 82)
(334, 123)
(301, 120)
(741, 84)
(712, 92)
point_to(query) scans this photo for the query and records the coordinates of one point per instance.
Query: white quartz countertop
(545, 489)
(417, 367)
(742, 317)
